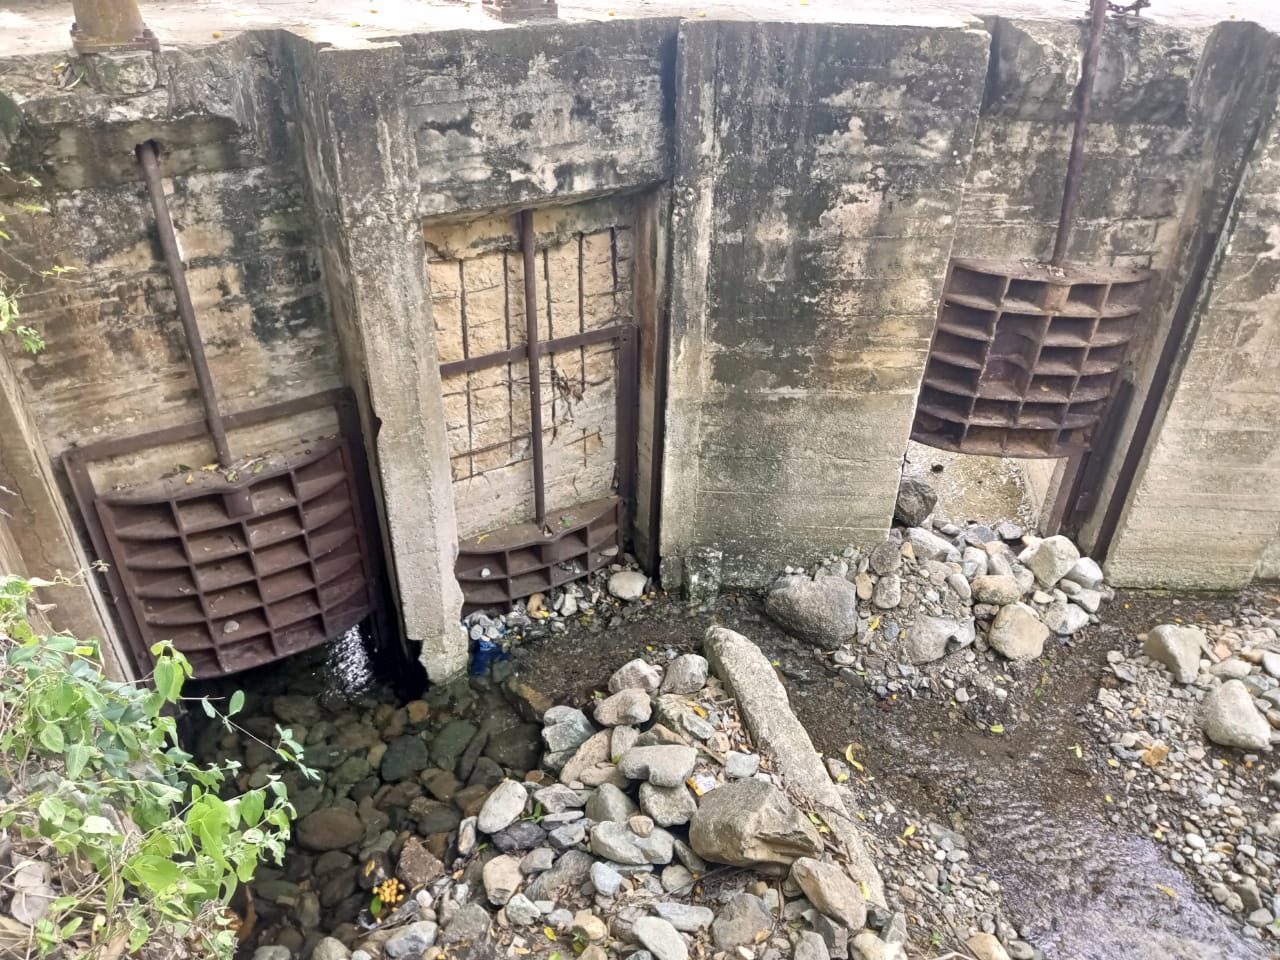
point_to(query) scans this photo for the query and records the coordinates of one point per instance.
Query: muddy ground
(1035, 800)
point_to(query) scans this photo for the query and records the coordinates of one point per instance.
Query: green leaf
(97, 825)
(237, 703)
(51, 738)
(149, 870)
(208, 709)
(251, 806)
(77, 759)
(168, 680)
(53, 810)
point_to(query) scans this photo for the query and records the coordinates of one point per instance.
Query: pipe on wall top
(109, 25)
(148, 156)
(1075, 162)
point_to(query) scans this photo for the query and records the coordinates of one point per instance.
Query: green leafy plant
(144, 848)
(10, 287)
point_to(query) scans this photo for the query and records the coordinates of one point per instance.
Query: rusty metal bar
(102, 25)
(1075, 162)
(149, 158)
(584, 339)
(533, 350)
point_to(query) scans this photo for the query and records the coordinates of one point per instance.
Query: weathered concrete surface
(583, 264)
(361, 165)
(778, 735)
(517, 116)
(1205, 512)
(36, 535)
(818, 171)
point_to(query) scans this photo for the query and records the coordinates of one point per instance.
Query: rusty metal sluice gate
(251, 559)
(518, 560)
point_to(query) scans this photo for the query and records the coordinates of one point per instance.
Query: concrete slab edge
(778, 735)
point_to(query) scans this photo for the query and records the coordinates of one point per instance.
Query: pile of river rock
(930, 592)
(486, 821)
(1191, 718)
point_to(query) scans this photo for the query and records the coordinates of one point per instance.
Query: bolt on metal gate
(519, 560)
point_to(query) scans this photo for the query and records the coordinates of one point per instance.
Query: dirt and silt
(1022, 786)
(1034, 808)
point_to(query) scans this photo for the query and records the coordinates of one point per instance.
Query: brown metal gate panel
(237, 568)
(523, 559)
(1025, 356)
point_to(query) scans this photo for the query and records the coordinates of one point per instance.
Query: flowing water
(1035, 815)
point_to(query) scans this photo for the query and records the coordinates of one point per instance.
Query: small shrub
(145, 852)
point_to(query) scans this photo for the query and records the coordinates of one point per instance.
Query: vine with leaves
(141, 847)
(11, 286)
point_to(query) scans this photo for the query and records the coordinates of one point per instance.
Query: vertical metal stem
(535, 383)
(1075, 163)
(169, 244)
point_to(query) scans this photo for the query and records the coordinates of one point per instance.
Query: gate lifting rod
(1075, 162)
(239, 501)
(527, 242)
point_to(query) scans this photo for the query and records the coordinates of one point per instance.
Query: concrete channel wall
(793, 194)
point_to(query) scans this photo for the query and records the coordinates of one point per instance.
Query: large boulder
(1230, 719)
(751, 823)
(1177, 647)
(1052, 559)
(823, 611)
(926, 640)
(916, 500)
(831, 891)
(996, 588)
(1018, 633)
(330, 828)
(927, 545)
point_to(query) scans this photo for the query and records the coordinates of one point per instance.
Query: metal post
(109, 25)
(535, 384)
(1075, 163)
(147, 156)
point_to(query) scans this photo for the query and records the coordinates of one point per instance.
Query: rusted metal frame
(996, 313)
(148, 157)
(105, 25)
(107, 544)
(385, 633)
(627, 421)
(122, 446)
(585, 339)
(1030, 374)
(1060, 509)
(1082, 499)
(1075, 161)
(532, 349)
(1160, 381)
(82, 489)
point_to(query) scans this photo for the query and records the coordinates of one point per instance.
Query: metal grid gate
(237, 567)
(520, 559)
(1025, 357)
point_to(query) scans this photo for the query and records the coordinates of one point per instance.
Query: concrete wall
(818, 175)
(784, 200)
(1212, 474)
(519, 116)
